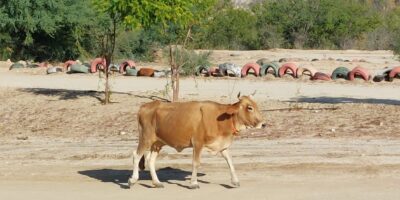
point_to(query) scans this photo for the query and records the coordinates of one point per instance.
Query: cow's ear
(233, 109)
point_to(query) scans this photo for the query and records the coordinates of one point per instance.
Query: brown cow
(197, 124)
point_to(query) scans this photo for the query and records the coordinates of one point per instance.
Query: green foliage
(189, 60)
(231, 28)
(70, 29)
(46, 29)
(315, 23)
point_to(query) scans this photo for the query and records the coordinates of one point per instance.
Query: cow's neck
(237, 125)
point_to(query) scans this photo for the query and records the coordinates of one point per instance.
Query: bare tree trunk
(174, 75)
(108, 56)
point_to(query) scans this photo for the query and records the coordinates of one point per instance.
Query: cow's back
(178, 124)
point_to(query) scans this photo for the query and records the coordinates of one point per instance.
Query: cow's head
(247, 113)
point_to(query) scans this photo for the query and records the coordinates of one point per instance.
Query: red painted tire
(124, 65)
(146, 72)
(95, 63)
(321, 76)
(68, 64)
(393, 73)
(286, 67)
(245, 69)
(360, 72)
(214, 71)
(302, 71)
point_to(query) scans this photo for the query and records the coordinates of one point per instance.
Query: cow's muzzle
(263, 125)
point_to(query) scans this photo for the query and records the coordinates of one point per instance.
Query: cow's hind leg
(137, 155)
(155, 149)
(234, 178)
(195, 165)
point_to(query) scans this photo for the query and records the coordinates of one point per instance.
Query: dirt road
(93, 168)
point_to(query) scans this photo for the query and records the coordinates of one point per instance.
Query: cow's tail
(141, 163)
(141, 142)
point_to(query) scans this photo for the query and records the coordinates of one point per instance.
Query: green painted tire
(33, 65)
(131, 72)
(78, 68)
(16, 66)
(267, 66)
(340, 72)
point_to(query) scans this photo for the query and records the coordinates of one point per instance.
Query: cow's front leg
(234, 178)
(195, 165)
(152, 168)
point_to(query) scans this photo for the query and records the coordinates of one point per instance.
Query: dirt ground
(334, 140)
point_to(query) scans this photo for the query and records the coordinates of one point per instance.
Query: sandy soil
(336, 140)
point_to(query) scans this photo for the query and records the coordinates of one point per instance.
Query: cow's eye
(249, 108)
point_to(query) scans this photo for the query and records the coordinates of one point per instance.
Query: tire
(383, 73)
(131, 72)
(359, 71)
(146, 72)
(340, 72)
(214, 71)
(286, 67)
(77, 68)
(68, 63)
(378, 78)
(321, 76)
(126, 64)
(302, 71)
(33, 65)
(202, 70)
(52, 70)
(94, 64)
(393, 73)
(16, 66)
(267, 66)
(113, 68)
(246, 68)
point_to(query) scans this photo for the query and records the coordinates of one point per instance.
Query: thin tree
(145, 13)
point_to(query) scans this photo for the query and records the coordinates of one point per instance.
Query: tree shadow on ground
(337, 100)
(63, 94)
(120, 177)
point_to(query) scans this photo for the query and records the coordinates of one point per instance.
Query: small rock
(283, 60)
(122, 133)
(22, 137)
(380, 123)
(333, 130)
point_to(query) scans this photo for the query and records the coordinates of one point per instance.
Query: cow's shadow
(120, 177)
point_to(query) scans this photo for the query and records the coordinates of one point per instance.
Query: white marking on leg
(135, 173)
(152, 167)
(226, 155)
(195, 165)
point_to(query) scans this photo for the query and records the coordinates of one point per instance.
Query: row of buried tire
(127, 68)
(262, 69)
(259, 68)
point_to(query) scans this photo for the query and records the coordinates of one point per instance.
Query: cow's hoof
(158, 185)
(131, 182)
(194, 186)
(236, 184)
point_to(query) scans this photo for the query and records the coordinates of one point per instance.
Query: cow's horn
(254, 93)
(238, 96)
